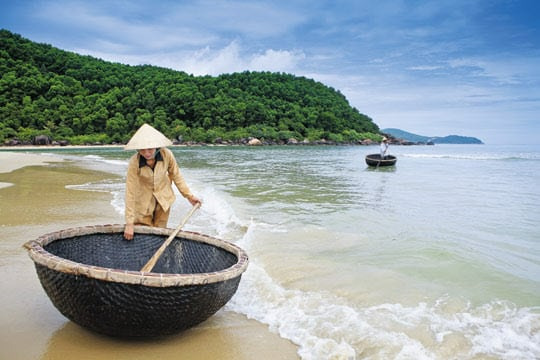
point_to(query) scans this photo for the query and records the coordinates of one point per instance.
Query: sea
(437, 257)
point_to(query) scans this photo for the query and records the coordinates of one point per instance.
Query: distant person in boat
(384, 147)
(151, 172)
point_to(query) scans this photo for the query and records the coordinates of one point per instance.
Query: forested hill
(81, 99)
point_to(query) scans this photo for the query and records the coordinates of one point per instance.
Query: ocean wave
(114, 187)
(216, 216)
(326, 326)
(105, 160)
(498, 157)
(106, 185)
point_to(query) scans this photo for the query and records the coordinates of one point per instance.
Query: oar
(152, 262)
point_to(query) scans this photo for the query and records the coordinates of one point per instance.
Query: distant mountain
(450, 139)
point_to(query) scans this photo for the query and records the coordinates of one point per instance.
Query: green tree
(42, 88)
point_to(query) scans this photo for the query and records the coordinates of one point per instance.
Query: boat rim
(388, 157)
(41, 256)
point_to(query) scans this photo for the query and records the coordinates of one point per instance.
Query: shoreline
(393, 142)
(4, 148)
(38, 202)
(9, 163)
(253, 142)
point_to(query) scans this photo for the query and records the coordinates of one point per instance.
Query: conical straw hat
(147, 138)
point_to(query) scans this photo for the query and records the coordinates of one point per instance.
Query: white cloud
(207, 61)
(231, 59)
(276, 60)
(507, 71)
(425, 67)
(107, 31)
(158, 26)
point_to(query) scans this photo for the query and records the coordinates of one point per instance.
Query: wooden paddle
(152, 262)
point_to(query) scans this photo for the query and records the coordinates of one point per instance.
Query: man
(151, 172)
(384, 147)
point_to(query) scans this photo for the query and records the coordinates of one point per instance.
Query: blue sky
(433, 68)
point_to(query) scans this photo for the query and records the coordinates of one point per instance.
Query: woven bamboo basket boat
(92, 276)
(375, 160)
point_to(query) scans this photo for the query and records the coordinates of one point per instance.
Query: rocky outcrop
(254, 142)
(41, 140)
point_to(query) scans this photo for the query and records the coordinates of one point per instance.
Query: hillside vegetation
(81, 99)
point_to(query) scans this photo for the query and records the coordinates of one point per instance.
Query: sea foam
(325, 326)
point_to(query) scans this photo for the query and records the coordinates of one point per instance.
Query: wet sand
(34, 201)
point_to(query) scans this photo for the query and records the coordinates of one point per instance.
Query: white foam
(114, 187)
(325, 326)
(99, 186)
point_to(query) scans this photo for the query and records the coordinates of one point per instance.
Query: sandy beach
(34, 201)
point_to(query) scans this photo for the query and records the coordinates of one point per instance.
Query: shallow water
(40, 201)
(435, 258)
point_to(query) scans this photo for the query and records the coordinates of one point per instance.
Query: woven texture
(375, 160)
(134, 310)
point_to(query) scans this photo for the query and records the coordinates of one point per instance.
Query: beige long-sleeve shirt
(143, 183)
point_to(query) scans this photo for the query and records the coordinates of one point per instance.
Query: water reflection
(226, 335)
(75, 342)
(383, 169)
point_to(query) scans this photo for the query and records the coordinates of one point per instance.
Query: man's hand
(128, 232)
(193, 200)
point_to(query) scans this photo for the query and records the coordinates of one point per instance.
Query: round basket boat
(92, 276)
(376, 160)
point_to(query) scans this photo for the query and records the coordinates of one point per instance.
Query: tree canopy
(82, 99)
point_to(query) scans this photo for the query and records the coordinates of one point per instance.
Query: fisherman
(384, 147)
(151, 172)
